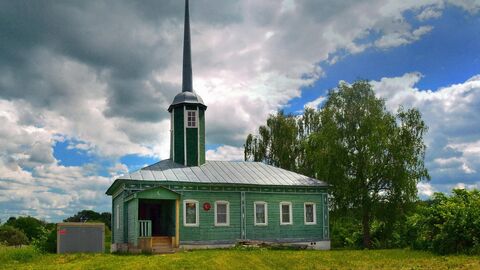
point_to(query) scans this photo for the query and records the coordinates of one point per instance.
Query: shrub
(451, 224)
(47, 242)
(346, 233)
(11, 236)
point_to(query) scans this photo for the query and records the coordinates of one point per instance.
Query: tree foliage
(32, 227)
(12, 236)
(372, 158)
(449, 224)
(47, 242)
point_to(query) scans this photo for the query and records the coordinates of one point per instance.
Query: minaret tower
(187, 113)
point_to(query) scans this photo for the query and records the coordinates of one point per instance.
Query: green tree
(276, 143)
(32, 227)
(11, 236)
(372, 158)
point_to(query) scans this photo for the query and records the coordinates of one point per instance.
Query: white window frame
(290, 222)
(186, 118)
(228, 213)
(255, 213)
(314, 213)
(197, 220)
(117, 217)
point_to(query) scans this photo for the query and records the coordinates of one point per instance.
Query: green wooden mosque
(189, 202)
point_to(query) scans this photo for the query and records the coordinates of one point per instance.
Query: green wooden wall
(207, 231)
(298, 230)
(194, 137)
(192, 146)
(178, 130)
(132, 221)
(202, 136)
(118, 233)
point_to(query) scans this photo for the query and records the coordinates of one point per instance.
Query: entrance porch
(153, 221)
(157, 226)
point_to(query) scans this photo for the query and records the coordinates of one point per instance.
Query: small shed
(80, 237)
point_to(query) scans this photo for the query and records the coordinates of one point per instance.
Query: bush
(449, 224)
(47, 242)
(11, 236)
(346, 233)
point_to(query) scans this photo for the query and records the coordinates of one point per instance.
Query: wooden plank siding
(192, 146)
(206, 231)
(201, 126)
(178, 135)
(273, 230)
(118, 233)
(132, 221)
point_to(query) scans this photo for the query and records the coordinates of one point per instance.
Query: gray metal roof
(187, 97)
(222, 172)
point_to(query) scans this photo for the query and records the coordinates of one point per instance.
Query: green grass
(27, 258)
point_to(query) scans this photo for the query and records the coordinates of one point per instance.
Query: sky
(85, 85)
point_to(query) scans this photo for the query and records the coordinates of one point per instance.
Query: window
(260, 213)
(285, 213)
(117, 217)
(222, 213)
(190, 213)
(310, 213)
(191, 119)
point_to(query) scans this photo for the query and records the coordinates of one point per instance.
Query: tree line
(372, 158)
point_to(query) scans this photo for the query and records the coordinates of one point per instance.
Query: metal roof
(187, 97)
(222, 172)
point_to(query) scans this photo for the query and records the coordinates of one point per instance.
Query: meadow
(29, 258)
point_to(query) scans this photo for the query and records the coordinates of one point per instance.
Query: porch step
(162, 244)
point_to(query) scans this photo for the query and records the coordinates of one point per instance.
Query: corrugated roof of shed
(222, 172)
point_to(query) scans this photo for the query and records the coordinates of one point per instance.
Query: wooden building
(189, 202)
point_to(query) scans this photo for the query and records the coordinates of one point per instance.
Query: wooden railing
(144, 228)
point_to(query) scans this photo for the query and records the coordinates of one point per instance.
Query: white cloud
(425, 189)
(314, 104)
(451, 113)
(429, 13)
(399, 38)
(226, 152)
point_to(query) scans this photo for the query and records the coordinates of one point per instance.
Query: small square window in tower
(191, 119)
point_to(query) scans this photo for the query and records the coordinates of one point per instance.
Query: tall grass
(18, 254)
(29, 258)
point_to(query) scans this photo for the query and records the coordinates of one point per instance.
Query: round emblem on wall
(206, 206)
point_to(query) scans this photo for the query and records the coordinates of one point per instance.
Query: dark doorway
(162, 215)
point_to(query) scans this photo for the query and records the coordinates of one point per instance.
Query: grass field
(27, 258)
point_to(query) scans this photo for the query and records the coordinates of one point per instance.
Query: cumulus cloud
(31, 180)
(314, 104)
(226, 152)
(425, 189)
(451, 113)
(395, 39)
(429, 13)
